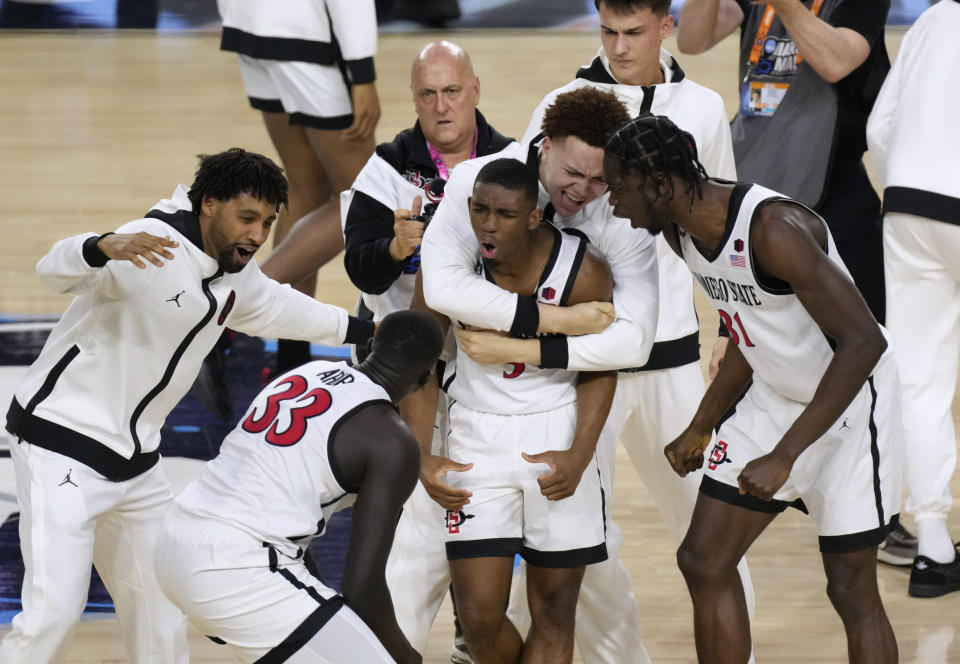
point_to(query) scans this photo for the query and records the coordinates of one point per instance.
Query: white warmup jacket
(452, 286)
(131, 343)
(695, 109)
(912, 132)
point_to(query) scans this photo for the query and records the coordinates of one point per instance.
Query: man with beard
(818, 425)
(152, 300)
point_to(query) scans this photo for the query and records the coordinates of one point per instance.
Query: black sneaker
(459, 653)
(928, 578)
(899, 548)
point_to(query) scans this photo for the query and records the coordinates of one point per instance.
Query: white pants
(70, 517)
(417, 572)
(261, 603)
(921, 260)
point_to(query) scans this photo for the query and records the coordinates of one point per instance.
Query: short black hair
(652, 146)
(409, 341)
(511, 174)
(587, 113)
(234, 172)
(623, 7)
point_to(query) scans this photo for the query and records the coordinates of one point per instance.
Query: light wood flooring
(96, 127)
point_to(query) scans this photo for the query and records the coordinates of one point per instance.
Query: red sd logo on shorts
(719, 455)
(455, 519)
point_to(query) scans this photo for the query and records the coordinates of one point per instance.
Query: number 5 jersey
(276, 476)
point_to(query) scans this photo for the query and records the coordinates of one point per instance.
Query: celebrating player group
(524, 306)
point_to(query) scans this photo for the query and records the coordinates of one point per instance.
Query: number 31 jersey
(275, 476)
(782, 343)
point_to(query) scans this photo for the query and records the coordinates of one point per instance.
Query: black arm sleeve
(367, 236)
(374, 450)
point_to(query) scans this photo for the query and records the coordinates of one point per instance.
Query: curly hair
(623, 7)
(653, 147)
(590, 114)
(229, 174)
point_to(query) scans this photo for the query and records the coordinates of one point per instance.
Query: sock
(935, 542)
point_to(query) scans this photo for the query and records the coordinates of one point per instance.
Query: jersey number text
(315, 402)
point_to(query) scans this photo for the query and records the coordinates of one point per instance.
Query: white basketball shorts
(849, 480)
(263, 605)
(507, 514)
(312, 95)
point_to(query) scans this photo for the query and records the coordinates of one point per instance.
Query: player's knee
(852, 591)
(558, 619)
(480, 622)
(700, 569)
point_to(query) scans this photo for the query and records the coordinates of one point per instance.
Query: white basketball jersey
(783, 345)
(274, 477)
(518, 388)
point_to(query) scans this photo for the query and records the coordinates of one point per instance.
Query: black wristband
(361, 71)
(358, 330)
(92, 253)
(526, 320)
(553, 352)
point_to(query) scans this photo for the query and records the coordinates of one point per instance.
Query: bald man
(382, 260)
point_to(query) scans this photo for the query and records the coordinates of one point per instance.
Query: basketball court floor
(98, 126)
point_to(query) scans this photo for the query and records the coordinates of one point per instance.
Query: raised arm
(270, 309)
(104, 263)
(705, 23)
(378, 243)
(787, 241)
(832, 51)
(375, 452)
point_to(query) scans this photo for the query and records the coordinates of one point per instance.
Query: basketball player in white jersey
(315, 440)
(818, 428)
(522, 438)
(653, 402)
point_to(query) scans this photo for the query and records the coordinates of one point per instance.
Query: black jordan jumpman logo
(67, 480)
(176, 298)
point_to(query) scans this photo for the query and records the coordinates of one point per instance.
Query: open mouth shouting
(488, 250)
(243, 254)
(569, 203)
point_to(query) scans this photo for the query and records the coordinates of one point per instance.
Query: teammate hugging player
(524, 438)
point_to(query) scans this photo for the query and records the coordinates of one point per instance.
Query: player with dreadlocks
(819, 425)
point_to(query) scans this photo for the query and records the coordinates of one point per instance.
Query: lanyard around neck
(441, 165)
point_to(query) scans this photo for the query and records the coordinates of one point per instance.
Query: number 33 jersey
(782, 343)
(276, 476)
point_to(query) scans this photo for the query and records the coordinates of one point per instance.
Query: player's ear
(535, 218)
(424, 379)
